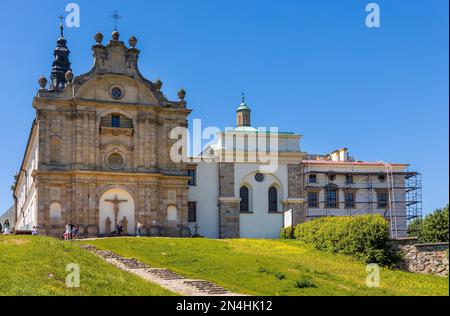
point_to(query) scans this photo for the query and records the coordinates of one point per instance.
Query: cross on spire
(61, 25)
(243, 97)
(116, 18)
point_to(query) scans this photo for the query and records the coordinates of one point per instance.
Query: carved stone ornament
(42, 82)
(98, 38)
(132, 41)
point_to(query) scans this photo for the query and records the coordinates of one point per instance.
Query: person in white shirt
(6, 227)
(139, 228)
(34, 231)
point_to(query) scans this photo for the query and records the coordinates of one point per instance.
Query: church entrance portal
(116, 206)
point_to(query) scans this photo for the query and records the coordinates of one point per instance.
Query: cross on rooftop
(116, 18)
(61, 25)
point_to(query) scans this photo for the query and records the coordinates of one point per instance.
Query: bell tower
(243, 114)
(61, 63)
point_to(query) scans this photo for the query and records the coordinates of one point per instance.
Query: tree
(414, 227)
(435, 227)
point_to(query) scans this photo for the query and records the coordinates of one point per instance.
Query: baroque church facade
(100, 137)
(98, 154)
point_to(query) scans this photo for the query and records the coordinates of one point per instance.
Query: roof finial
(61, 25)
(243, 98)
(116, 18)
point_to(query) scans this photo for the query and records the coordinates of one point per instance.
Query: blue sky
(310, 67)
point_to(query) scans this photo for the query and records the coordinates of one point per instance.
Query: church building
(98, 155)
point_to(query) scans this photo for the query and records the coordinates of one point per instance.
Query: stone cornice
(107, 174)
(282, 157)
(41, 102)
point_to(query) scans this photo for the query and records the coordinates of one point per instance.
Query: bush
(287, 233)
(434, 228)
(362, 237)
(414, 227)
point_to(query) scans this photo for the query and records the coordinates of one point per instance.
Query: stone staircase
(163, 277)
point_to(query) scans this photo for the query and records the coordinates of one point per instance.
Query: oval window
(115, 161)
(116, 93)
(259, 177)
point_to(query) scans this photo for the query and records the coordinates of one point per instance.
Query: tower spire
(61, 63)
(61, 25)
(243, 113)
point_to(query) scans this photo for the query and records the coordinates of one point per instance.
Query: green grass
(270, 267)
(37, 266)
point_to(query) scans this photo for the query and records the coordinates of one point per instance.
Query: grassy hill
(270, 267)
(37, 266)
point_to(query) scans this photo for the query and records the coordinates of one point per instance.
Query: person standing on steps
(139, 228)
(6, 227)
(75, 231)
(68, 231)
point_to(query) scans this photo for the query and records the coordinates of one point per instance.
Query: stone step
(207, 287)
(165, 274)
(164, 277)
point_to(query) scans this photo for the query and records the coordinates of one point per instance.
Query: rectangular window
(331, 198)
(193, 177)
(349, 179)
(313, 200)
(192, 212)
(312, 178)
(349, 200)
(382, 200)
(115, 121)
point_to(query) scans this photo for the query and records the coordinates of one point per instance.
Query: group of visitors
(71, 231)
(5, 228)
(120, 229)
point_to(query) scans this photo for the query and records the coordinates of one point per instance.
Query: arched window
(55, 213)
(273, 199)
(245, 199)
(55, 150)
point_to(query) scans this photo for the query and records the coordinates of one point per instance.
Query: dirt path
(163, 277)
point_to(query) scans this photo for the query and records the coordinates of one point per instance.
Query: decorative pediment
(115, 77)
(116, 66)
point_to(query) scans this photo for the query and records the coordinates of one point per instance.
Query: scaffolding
(411, 186)
(413, 196)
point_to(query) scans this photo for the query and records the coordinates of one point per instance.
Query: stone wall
(228, 204)
(295, 192)
(422, 258)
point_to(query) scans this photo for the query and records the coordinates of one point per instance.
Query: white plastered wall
(260, 223)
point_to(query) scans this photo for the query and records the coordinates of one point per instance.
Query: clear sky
(310, 67)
